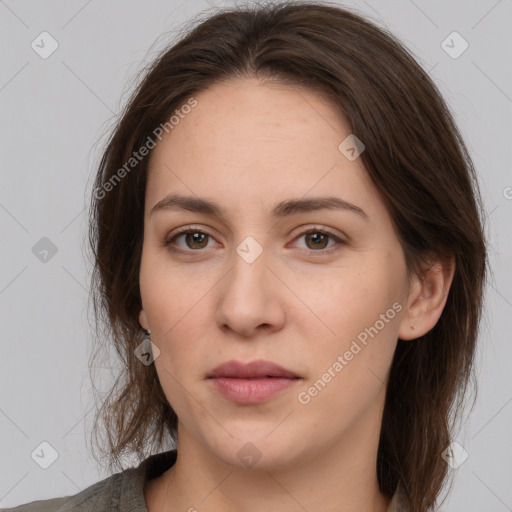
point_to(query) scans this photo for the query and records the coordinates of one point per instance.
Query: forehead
(241, 112)
(247, 139)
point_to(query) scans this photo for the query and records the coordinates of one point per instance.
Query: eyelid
(314, 228)
(186, 229)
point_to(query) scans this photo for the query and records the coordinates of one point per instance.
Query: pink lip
(251, 383)
(251, 391)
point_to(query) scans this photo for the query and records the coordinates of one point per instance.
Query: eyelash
(340, 242)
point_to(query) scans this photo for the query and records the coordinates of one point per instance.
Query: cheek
(354, 330)
(342, 302)
(177, 365)
(172, 376)
(348, 368)
(175, 314)
(170, 295)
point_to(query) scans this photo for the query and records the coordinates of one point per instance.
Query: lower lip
(251, 391)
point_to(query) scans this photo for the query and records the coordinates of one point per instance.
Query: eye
(194, 240)
(317, 240)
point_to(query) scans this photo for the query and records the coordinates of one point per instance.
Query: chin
(257, 452)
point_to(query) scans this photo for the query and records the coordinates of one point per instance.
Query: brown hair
(414, 154)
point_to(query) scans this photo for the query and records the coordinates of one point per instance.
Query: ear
(427, 297)
(143, 320)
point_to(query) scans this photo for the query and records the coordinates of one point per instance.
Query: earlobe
(143, 320)
(427, 299)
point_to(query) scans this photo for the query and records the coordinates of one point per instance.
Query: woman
(290, 259)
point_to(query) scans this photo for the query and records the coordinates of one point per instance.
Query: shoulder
(96, 497)
(120, 492)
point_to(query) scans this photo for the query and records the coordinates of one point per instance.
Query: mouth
(251, 383)
(254, 370)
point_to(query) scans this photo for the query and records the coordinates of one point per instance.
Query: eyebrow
(282, 209)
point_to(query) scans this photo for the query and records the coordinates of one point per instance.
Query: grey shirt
(124, 491)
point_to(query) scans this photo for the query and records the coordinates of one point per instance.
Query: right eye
(194, 239)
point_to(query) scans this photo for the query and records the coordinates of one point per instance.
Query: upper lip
(259, 368)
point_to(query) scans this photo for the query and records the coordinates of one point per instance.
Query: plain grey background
(54, 112)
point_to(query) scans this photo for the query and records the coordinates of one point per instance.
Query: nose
(250, 298)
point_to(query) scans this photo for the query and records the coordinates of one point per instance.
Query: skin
(249, 145)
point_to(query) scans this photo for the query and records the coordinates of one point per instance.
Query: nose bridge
(249, 296)
(250, 273)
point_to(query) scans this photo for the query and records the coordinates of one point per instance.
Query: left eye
(318, 240)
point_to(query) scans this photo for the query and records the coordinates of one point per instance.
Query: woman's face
(252, 284)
